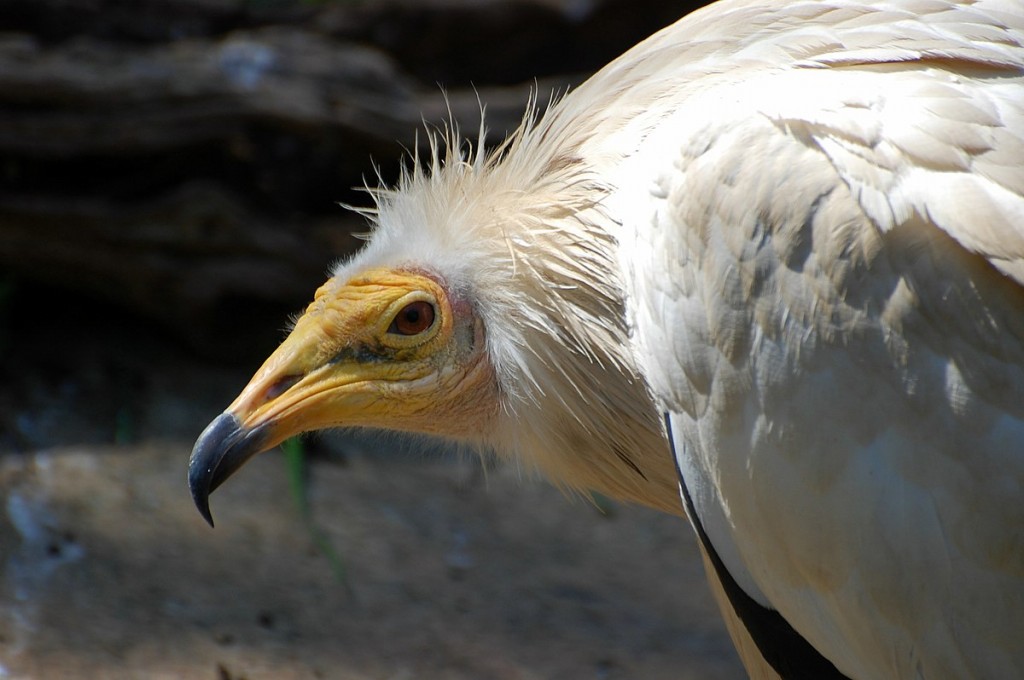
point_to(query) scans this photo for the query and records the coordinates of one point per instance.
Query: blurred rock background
(174, 166)
(169, 178)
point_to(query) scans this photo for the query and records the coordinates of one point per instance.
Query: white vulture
(773, 258)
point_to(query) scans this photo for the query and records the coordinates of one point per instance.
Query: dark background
(170, 169)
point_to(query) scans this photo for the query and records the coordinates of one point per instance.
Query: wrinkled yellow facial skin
(345, 364)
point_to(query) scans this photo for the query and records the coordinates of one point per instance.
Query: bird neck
(573, 401)
(601, 436)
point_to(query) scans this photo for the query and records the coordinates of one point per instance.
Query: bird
(764, 270)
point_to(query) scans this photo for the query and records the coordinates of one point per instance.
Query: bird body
(784, 241)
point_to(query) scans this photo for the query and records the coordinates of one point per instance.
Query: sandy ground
(108, 571)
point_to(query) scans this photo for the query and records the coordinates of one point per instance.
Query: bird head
(485, 308)
(387, 348)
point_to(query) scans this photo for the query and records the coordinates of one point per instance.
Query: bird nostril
(281, 386)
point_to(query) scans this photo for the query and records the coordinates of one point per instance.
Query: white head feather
(519, 232)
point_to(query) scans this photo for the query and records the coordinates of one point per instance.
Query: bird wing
(823, 244)
(942, 142)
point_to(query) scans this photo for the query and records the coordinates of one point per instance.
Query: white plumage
(797, 230)
(825, 269)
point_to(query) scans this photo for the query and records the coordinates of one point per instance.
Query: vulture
(764, 270)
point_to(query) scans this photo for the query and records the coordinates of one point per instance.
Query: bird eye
(412, 319)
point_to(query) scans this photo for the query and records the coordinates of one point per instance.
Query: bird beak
(296, 390)
(223, 447)
(334, 369)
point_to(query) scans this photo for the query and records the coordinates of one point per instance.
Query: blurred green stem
(298, 470)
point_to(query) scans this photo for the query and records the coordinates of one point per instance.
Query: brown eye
(414, 318)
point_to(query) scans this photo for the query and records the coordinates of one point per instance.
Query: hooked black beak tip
(223, 447)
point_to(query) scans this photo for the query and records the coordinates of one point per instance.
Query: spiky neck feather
(521, 233)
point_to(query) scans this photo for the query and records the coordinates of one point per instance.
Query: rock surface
(182, 157)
